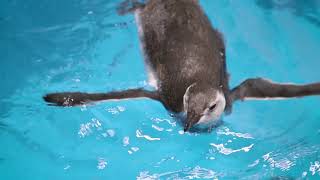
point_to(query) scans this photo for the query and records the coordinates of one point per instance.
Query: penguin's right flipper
(129, 6)
(261, 89)
(79, 98)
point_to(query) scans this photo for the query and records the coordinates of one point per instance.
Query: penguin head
(203, 106)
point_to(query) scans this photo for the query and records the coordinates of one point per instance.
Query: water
(48, 46)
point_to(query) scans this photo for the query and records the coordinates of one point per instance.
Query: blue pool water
(83, 45)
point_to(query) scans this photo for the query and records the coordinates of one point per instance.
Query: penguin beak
(192, 119)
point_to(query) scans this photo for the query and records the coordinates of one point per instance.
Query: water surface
(48, 46)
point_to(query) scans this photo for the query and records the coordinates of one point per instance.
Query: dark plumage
(186, 56)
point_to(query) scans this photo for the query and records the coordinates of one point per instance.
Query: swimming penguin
(186, 62)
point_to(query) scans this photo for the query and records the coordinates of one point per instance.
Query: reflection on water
(309, 10)
(46, 39)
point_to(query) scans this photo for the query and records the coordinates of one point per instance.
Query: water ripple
(140, 135)
(187, 173)
(256, 162)
(283, 164)
(157, 128)
(226, 131)
(125, 141)
(286, 158)
(109, 133)
(86, 129)
(228, 151)
(116, 110)
(133, 149)
(158, 120)
(67, 167)
(314, 168)
(102, 163)
(166, 160)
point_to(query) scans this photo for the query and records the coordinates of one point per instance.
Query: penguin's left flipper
(79, 98)
(260, 88)
(129, 6)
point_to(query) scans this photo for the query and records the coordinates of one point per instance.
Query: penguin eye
(211, 108)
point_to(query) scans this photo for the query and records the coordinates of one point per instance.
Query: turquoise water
(48, 46)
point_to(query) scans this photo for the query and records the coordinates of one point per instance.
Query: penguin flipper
(129, 6)
(264, 89)
(79, 98)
